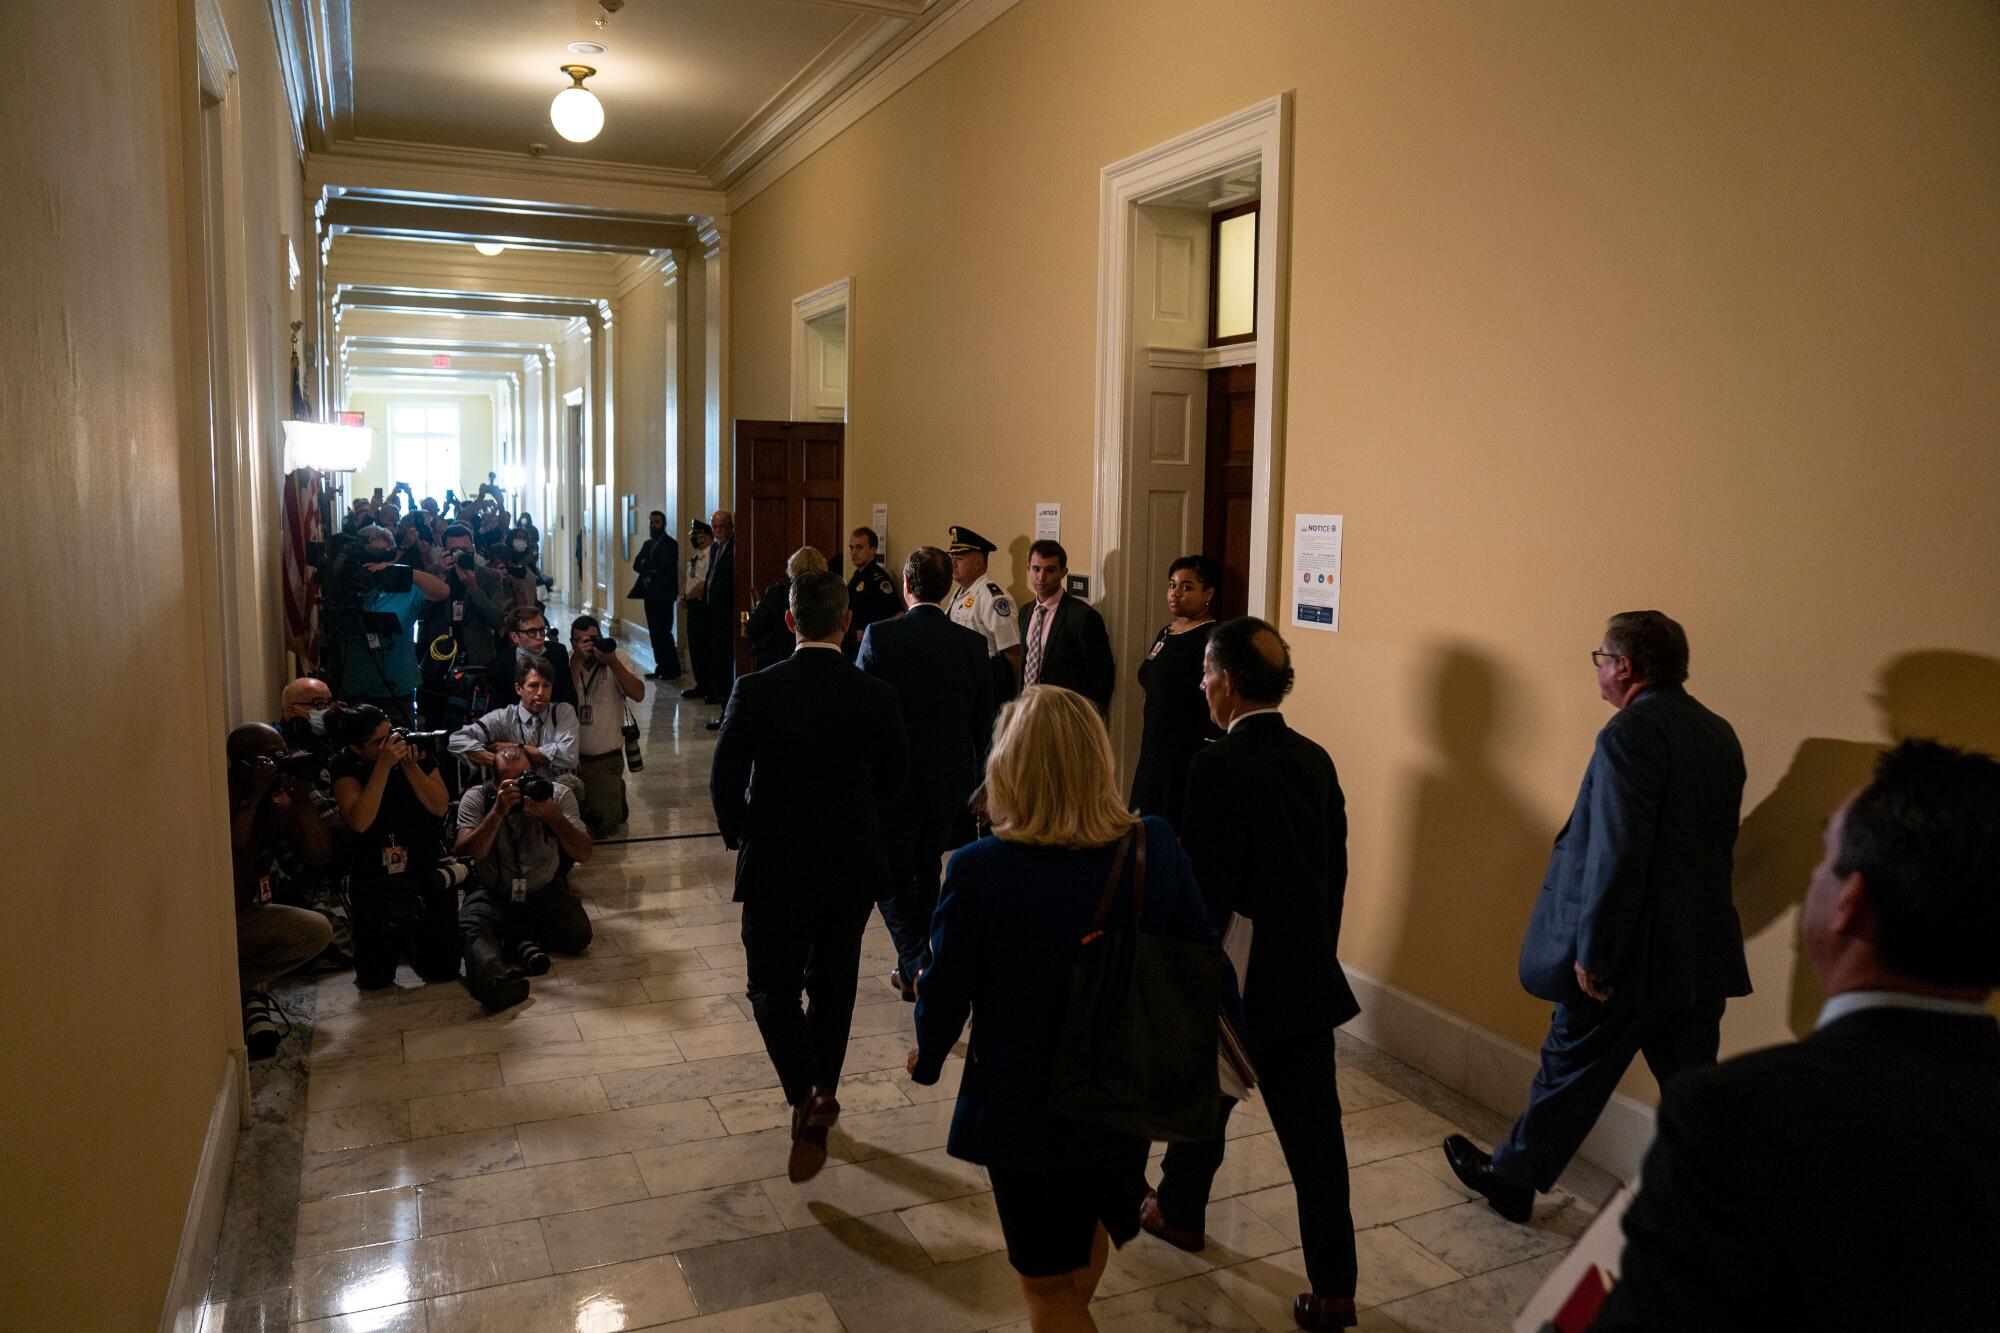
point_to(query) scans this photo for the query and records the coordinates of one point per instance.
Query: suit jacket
(1078, 655)
(1638, 886)
(658, 566)
(1266, 827)
(944, 690)
(810, 750)
(1847, 1181)
(720, 595)
(1010, 921)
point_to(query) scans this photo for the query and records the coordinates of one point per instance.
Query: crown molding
(583, 185)
(908, 9)
(945, 28)
(315, 53)
(861, 44)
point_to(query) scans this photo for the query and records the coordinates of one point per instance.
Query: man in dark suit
(719, 603)
(1849, 1181)
(1062, 637)
(658, 566)
(808, 866)
(1266, 828)
(1635, 936)
(944, 690)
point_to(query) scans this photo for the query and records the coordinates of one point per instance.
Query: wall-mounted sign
(879, 520)
(1316, 570)
(1048, 521)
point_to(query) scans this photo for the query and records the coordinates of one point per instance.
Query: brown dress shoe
(902, 988)
(1310, 1311)
(810, 1121)
(1152, 1221)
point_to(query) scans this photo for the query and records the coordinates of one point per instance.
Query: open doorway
(1192, 273)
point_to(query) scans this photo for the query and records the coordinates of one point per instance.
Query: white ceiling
(678, 78)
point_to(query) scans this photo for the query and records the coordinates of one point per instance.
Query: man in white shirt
(604, 681)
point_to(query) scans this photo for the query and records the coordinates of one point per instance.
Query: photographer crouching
(517, 828)
(402, 900)
(272, 827)
(603, 683)
(546, 730)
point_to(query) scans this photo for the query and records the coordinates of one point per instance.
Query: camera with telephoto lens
(467, 562)
(607, 645)
(535, 787)
(450, 873)
(531, 958)
(431, 743)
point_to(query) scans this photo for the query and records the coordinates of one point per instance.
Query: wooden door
(1225, 527)
(788, 494)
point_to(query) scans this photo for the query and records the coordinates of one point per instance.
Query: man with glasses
(545, 730)
(1635, 937)
(528, 630)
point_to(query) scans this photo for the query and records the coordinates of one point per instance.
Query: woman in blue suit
(1009, 924)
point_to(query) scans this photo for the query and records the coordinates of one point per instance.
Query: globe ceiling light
(576, 113)
(489, 248)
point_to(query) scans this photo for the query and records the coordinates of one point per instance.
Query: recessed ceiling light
(587, 48)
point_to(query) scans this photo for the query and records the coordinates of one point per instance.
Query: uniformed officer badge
(1001, 606)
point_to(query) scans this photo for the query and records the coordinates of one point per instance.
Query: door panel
(789, 493)
(1232, 408)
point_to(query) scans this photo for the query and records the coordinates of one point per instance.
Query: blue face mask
(317, 721)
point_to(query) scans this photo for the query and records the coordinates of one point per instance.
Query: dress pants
(700, 656)
(490, 921)
(272, 939)
(915, 840)
(1588, 1049)
(722, 653)
(1296, 1081)
(402, 916)
(789, 953)
(660, 629)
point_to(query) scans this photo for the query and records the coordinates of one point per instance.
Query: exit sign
(441, 362)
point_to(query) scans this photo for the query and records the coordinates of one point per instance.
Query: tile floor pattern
(610, 1155)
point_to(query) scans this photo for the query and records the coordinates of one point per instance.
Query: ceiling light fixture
(587, 48)
(576, 113)
(489, 248)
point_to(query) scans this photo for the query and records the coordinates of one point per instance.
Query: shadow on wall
(1943, 695)
(1477, 850)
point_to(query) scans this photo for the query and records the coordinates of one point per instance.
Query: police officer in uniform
(980, 604)
(871, 593)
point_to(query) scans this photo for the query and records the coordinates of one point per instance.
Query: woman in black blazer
(1005, 937)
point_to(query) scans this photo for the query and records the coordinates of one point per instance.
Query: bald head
(302, 696)
(252, 739)
(1254, 658)
(724, 524)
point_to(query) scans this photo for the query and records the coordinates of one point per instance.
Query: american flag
(302, 525)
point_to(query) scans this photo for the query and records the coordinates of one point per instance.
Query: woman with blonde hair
(1005, 938)
(770, 639)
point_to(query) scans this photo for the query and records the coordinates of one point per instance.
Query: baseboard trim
(203, 1226)
(1486, 1067)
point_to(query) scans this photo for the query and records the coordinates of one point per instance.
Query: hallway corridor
(610, 1155)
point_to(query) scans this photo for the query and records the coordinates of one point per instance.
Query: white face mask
(317, 721)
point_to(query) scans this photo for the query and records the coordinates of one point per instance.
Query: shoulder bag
(1136, 1048)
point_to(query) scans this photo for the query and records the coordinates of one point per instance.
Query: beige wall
(1592, 308)
(121, 995)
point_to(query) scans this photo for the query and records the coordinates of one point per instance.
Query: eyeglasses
(534, 631)
(1598, 657)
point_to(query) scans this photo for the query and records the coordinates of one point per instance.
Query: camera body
(466, 561)
(301, 764)
(432, 743)
(535, 787)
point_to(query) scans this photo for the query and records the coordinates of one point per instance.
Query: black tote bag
(1136, 1050)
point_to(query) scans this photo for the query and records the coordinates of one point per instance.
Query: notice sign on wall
(879, 520)
(1048, 521)
(1316, 571)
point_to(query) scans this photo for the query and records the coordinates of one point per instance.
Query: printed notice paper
(1048, 521)
(1316, 571)
(880, 522)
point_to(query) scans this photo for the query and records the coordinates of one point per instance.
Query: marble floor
(610, 1155)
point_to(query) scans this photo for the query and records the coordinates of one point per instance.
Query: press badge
(263, 888)
(1156, 650)
(375, 642)
(520, 889)
(395, 859)
(583, 714)
(457, 613)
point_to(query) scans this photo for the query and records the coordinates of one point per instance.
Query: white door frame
(1260, 134)
(805, 309)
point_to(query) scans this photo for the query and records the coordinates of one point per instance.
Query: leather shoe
(713, 724)
(902, 987)
(1310, 1311)
(1154, 1222)
(694, 693)
(1474, 1168)
(810, 1121)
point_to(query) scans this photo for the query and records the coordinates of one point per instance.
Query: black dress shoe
(810, 1122)
(1310, 1311)
(1516, 1203)
(713, 724)
(694, 693)
(902, 988)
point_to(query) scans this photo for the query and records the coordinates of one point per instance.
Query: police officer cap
(964, 541)
(699, 526)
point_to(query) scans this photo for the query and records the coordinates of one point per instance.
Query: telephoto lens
(451, 872)
(607, 645)
(466, 560)
(301, 764)
(530, 958)
(535, 787)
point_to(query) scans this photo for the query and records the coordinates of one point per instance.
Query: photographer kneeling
(545, 730)
(603, 683)
(517, 828)
(401, 902)
(271, 826)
